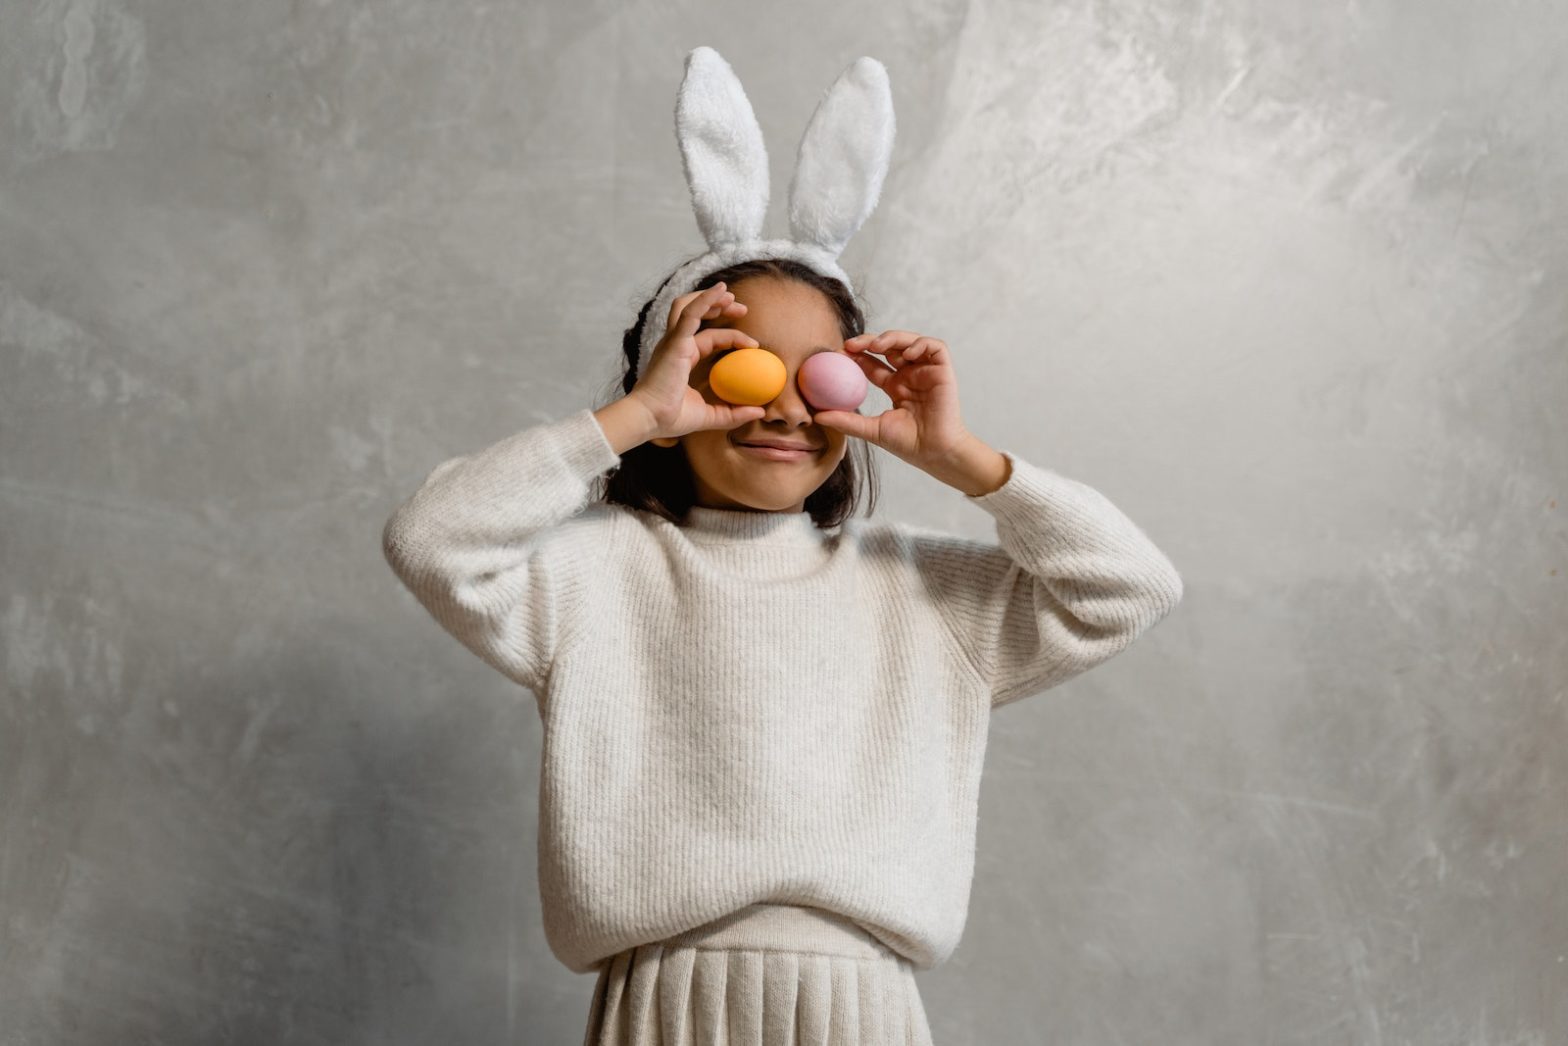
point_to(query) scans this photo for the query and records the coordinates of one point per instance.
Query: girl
(764, 720)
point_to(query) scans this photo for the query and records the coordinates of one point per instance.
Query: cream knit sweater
(751, 709)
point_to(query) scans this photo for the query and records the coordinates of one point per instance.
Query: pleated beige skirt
(767, 975)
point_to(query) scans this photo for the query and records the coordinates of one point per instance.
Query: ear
(665, 441)
(722, 151)
(843, 157)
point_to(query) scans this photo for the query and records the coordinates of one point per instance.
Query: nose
(789, 407)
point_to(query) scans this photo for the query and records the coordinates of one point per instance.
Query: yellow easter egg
(748, 377)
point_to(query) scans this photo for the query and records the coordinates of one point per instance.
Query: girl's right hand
(664, 387)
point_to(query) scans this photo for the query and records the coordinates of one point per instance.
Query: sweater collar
(749, 526)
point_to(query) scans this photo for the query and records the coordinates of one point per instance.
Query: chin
(765, 504)
(770, 499)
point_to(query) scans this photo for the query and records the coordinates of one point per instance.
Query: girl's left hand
(923, 426)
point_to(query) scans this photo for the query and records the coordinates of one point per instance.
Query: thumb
(847, 422)
(734, 417)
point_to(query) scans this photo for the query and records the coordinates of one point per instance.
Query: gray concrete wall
(1285, 281)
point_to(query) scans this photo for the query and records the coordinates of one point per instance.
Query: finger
(687, 311)
(691, 297)
(861, 342)
(848, 422)
(715, 338)
(887, 338)
(716, 306)
(932, 350)
(726, 417)
(889, 333)
(876, 371)
(725, 304)
(890, 343)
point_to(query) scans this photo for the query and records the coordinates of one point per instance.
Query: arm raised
(1071, 581)
(468, 543)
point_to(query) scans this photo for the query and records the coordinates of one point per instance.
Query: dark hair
(658, 479)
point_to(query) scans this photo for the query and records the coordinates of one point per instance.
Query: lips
(774, 453)
(781, 444)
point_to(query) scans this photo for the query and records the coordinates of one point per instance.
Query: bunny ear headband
(839, 168)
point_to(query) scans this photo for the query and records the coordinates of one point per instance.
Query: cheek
(707, 445)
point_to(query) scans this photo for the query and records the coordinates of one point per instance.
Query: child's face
(793, 321)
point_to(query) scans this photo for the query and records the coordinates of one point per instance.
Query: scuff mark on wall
(80, 68)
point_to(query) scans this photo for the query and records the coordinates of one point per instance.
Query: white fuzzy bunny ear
(838, 175)
(721, 148)
(843, 158)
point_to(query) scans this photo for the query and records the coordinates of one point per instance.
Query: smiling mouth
(776, 453)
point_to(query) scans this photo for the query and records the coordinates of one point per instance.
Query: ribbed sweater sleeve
(1071, 582)
(467, 543)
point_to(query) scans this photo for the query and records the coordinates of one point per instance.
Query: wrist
(627, 423)
(972, 467)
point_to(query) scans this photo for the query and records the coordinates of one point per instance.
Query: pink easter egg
(832, 381)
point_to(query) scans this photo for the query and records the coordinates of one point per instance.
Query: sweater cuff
(584, 445)
(1027, 487)
(1079, 515)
